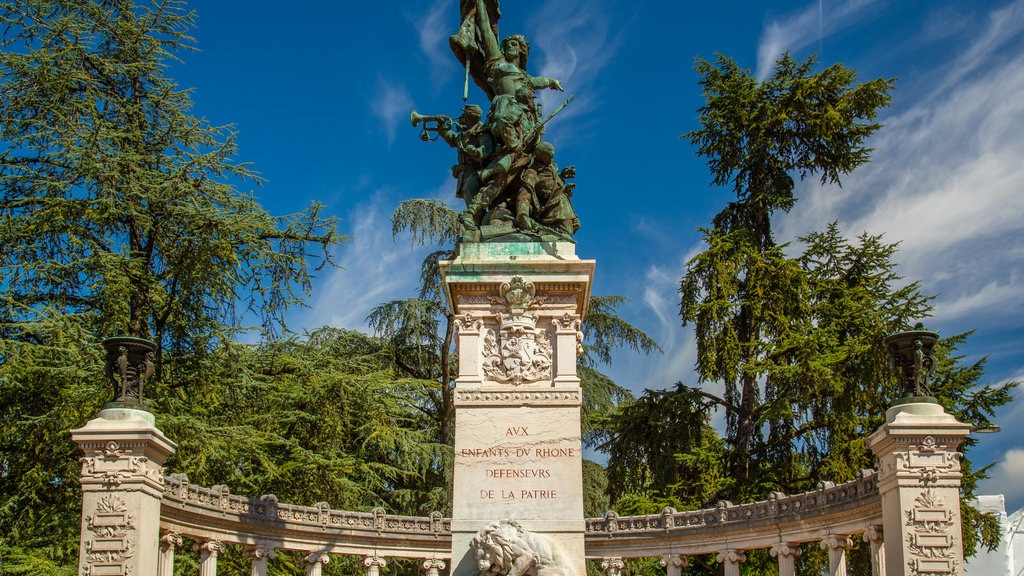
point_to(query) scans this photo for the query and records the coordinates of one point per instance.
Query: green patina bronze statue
(505, 172)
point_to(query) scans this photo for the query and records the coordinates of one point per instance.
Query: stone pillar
(314, 562)
(612, 566)
(673, 564)
(837, 545)
(169, 542)
(730, 561)
(122, 485)
(873, 535)
(208, 551)
(919, 482)
(518, 467)
(260, 555)
(786, 552)
(372, 565)
(433, 566)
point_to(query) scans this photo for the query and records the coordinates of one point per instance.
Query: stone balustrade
(214, 514)
(134, 518)
(847, 508)
(213, 518)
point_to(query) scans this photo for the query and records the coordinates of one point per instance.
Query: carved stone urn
(129, 366)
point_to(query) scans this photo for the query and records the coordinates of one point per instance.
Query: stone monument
(518, 488)
(519, 293)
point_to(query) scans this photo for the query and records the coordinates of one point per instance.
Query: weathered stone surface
(122, 487)
(919, 480)
(518, 450)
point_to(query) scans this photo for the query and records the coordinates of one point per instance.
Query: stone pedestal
(919, 482)
(518, 452)
(122, 485)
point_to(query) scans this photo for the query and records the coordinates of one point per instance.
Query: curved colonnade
(213, 518)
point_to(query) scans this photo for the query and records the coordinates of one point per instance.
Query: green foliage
(608, 331)
(320, 420)
(595, 490)
(117, 202)
(773, 329)
(758, 135)
(643, 436)
(796, 342)
(119, 215)
(428, 222)
(49, 383)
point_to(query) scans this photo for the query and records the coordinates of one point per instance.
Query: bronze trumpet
(430, 124)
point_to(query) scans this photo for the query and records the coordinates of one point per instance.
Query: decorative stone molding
(517, 353)
(433, 566)
(836, 542)
(612, 566)
(783, 549)
(787, 553)
(519, 397)
(260, 554)
(468, 323)
(115, 463)
(315, 561)
(122, 486)
(919, 487)
(112, 539)
(372, 565)
(829, 499)
(874, 535)
(836, 545)
(931, 535)
(730, 560)
(208, 551)
(169, 542)
(240, 520)
(673, 564)
(928, 462)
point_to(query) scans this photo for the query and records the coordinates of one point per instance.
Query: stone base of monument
(518, 484)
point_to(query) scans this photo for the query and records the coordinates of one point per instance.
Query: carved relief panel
(514, 336)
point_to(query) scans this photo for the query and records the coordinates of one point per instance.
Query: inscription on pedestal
(518, 454)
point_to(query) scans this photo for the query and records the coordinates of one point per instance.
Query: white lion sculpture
(504, 548)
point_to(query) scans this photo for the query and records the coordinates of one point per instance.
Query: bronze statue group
(505, 172)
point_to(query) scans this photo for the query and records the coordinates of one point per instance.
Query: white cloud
(433, 29)
(944, 182)
(391, 103)
(803, 28)
(572, 41)
(1003, 26)
(374, 270)
(1006, 479)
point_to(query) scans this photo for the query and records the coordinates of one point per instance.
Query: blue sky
(320, 94)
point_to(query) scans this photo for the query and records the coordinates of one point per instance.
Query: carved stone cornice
(518, 397)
